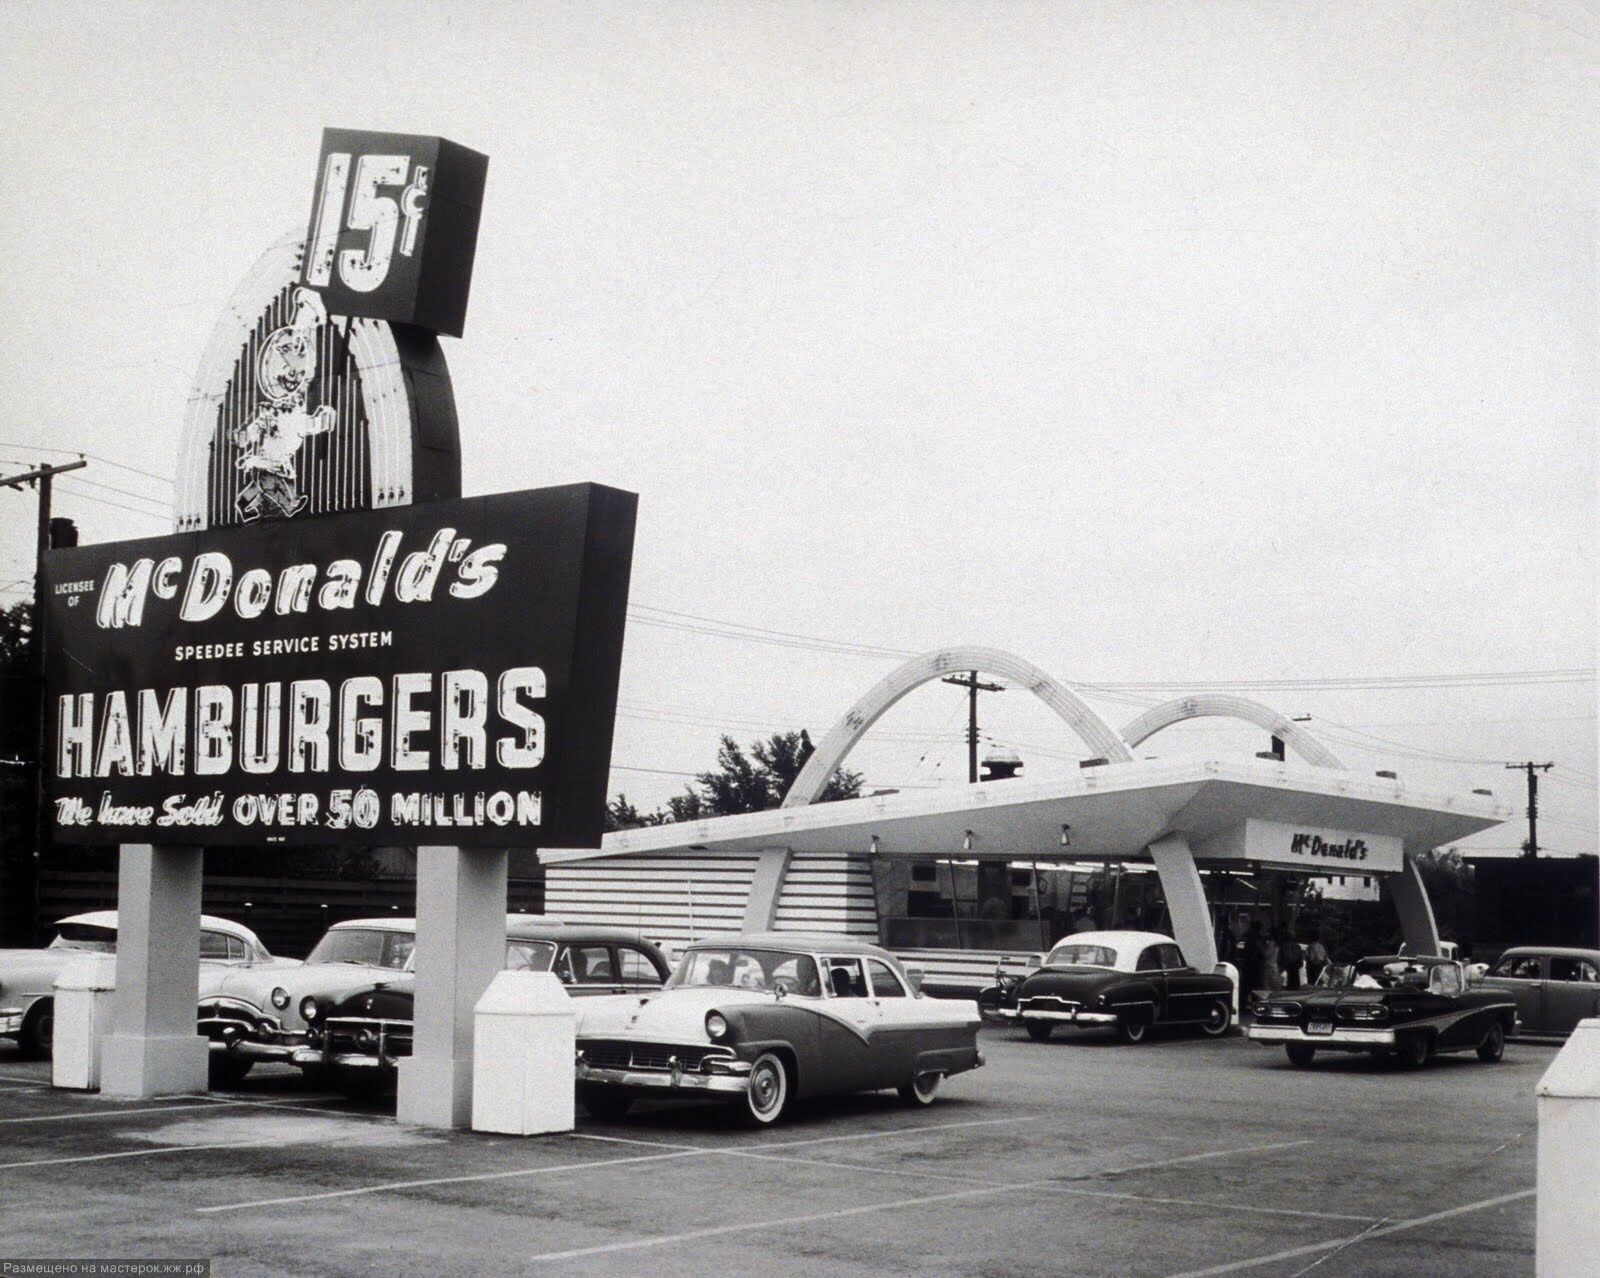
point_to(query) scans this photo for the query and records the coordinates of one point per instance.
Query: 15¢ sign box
(437, 673)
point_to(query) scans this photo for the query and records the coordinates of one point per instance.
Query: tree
(741, 782)
(759, 780)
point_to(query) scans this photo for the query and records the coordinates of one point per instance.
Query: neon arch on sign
(1223, 705)
(396, 438)
(1094, 731)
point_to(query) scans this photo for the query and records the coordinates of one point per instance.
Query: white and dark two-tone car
(257, 1015)
(764, 1019)
(358, 1040)
(228, 950)
(1129, 982)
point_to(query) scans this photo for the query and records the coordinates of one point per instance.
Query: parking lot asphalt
(1074, 1157)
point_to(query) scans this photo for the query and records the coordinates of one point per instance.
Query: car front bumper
(1342, 1036)
(729, 1078)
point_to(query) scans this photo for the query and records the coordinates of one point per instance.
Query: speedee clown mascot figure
(269, 441)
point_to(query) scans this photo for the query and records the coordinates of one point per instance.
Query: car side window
(635, 967)
(1150, 960)
(1573, 969)
(846, 979)
(591, 964)
(885, 984)
(213, 945)
(238, 951)
(1171, 957)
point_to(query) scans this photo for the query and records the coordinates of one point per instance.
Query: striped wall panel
(671, 899)
(828, 892)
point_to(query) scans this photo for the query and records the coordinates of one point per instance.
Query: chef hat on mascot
(288, 360)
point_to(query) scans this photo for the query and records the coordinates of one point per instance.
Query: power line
(166, 506)
(78, 452)
(106, 501)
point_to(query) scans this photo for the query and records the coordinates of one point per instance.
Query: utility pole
(1531, 848)
(973, 687)
(43, 476)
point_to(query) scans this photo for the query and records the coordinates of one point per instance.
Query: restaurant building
(959, 880)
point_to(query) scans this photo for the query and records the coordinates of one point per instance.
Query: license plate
(1319, 1027)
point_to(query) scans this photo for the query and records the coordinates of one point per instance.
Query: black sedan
(1127, 981)
(358, 1039)
(1406, 1006)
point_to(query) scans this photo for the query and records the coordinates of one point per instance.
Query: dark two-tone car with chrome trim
(358, 1039)
(1129, 982)
(1406, 1007)
(260, 1015)
(764, 1019)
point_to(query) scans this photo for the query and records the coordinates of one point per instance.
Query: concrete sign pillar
(153, 1049)
(1568, 1223)
(461, 946)
(1186, 901)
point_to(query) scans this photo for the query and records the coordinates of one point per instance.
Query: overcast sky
(1152, 342)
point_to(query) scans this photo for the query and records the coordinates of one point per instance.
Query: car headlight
(308, 1008)
(280, 998)
(716, 1024)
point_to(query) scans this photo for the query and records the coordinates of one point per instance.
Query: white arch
(1207, 704)
(1094, 731)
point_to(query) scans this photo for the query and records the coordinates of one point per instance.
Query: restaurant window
(960, 903)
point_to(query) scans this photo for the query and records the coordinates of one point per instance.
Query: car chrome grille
(617, 1054)
(361, 1036)
(216, 1019)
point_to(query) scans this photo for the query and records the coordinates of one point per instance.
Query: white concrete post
(1417, 926)
(1186, 901)
(461, 945)
(153, 1049)
(1567, 1213)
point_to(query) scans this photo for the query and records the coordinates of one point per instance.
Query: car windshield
(749, 969)
(529, 956)
(1082, 956)
(372, 946)
(85, 936)
(1377, 974)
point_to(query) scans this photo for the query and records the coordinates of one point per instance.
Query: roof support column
(152, 1049)
(1186, 901)
(761, 910)
(461, 944)
(1411, 902)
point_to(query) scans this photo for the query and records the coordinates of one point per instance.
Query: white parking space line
(1212, 1205)
(630, 1140)
(923, 1129)
(136, 1153)
(1189, 1158)
(781, 1222)
(1311, 1249)
(107, 1113)
(1205, 1204)
(23, 1078)
(394, 1185)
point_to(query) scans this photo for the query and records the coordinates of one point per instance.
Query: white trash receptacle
(1568, 1226)
(83, 994)
(523, 1069)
